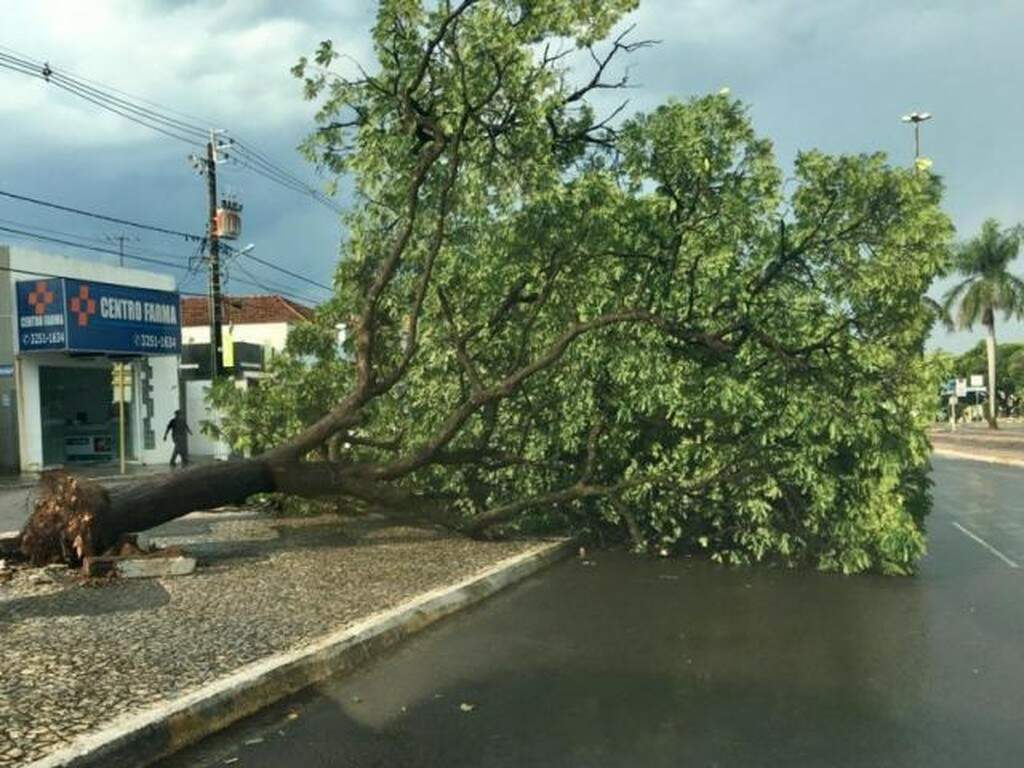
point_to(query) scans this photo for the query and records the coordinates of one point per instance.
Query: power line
(97, 249)
(39, 65)
(163, 230)
(127, 106)
(280, 177)
(145, 122)
(187, 279)
(103, 96)
(256, 283)
(280, 269)
(104, 217)
(263, 285)
(260, 164)
(289, 273)
(262, 160)
(275, 287)
(48, 231)
(151, 123)
(80, 237)
(143, 112)
(37, 273)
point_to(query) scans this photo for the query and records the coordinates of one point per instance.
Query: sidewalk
(978, 442)
(78, 656)
(106, 473)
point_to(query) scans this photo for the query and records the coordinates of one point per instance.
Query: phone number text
(42, 339)
(150, 341)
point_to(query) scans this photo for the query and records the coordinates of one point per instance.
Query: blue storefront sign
(41, 321)
(88, 316)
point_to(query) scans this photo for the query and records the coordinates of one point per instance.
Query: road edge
(161, 730)
(951, 453)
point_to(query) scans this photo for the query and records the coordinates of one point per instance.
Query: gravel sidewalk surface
(75, 656)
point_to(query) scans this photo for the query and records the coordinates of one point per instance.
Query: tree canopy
(1009, 371)
(624, 325)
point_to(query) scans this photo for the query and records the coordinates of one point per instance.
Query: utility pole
(216, 309)
(208, 166)
(120, 239)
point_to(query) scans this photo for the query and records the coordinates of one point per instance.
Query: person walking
(179, 431)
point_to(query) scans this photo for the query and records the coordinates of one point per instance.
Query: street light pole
(917, 118)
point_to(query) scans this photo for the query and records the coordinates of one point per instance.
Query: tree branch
(595, 81)
(451, 426)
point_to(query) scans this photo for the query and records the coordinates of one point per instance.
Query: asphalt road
(640, 662)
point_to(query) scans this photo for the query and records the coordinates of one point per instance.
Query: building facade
(64, 325)
(255, 329)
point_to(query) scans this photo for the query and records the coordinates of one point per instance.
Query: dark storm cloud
(833, 75)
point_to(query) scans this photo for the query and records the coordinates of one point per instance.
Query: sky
(834, 75)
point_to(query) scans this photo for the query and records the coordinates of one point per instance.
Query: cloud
(835, 75)
(221, 63)
(226, 62)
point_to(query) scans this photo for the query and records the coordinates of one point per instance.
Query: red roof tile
(242, 310)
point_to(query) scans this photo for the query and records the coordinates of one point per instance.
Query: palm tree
(937, 312)
(987, 287)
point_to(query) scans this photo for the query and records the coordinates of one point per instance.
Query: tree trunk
(989, 321)
(75, 517)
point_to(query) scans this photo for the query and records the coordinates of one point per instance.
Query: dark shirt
(178, 428)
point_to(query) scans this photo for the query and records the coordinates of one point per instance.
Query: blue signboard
(41, 318)
(89, 316)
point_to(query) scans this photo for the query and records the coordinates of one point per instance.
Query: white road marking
(986, 545)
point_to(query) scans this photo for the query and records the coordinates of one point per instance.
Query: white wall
(273, 335)
(196, 412)
(49, 264)
(166, 400)
(30, 427)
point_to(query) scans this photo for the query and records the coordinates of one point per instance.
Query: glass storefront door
(79, 416)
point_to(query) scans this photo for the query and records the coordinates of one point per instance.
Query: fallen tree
(559, 319)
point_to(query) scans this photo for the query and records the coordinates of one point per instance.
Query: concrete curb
(9, 541)
(142, 738)
(954, 454)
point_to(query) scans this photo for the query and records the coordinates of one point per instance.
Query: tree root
(60, 528)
